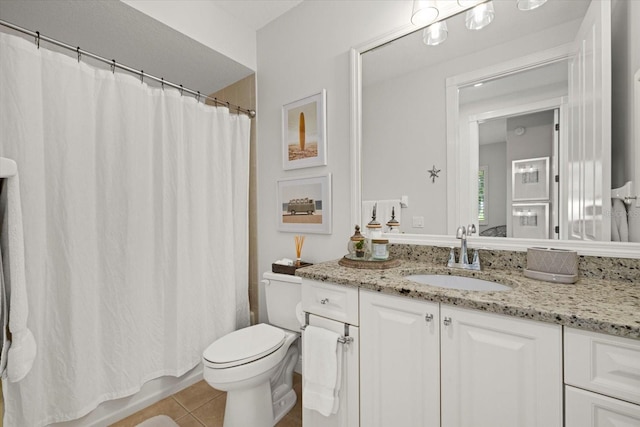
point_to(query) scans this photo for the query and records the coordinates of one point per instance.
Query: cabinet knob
(428, 318)
(324, 301)
(447, 321)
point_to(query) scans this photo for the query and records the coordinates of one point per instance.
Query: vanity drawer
(603, 363)
(331, 301)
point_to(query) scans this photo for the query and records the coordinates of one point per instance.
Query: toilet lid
(245, 345)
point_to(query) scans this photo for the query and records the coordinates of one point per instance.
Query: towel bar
(345, 339)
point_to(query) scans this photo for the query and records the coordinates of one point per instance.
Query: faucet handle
(476, 260)
(471, 229)
(452, 257)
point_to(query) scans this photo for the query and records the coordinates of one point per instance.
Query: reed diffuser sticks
(299, 242)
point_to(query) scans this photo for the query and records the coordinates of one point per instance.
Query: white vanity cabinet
(425, 364)
(499, 370)
(399, 361)
(335, 308)
(602, 377)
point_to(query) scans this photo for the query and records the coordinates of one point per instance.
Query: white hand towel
(22, 350)
(321, 371)
(619, 221)
(4, 318)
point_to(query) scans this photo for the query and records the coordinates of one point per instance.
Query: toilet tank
(283, 293)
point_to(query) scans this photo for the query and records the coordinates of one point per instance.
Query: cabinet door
(587, 409)
(499, 371)
(347, 415)
(399, 362)
(602, 363)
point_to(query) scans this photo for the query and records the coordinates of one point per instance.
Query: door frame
(461, 154)
(559, 144)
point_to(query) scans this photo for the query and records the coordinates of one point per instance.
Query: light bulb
(424, 12)
(435, 34)
(480, 16)
(530, 4)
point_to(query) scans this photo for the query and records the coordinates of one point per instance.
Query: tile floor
(203, 406)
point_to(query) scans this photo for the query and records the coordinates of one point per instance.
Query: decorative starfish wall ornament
(433, 173)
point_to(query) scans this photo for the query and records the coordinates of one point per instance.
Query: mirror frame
(589, 248)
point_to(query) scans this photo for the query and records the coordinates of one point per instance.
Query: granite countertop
(606, 306)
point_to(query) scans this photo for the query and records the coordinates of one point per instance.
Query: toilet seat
(244, 346)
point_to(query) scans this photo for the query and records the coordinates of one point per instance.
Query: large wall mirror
(524, 128)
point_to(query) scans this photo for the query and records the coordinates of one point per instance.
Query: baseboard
(153, 391)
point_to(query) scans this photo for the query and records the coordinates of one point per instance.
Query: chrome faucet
(463, 260)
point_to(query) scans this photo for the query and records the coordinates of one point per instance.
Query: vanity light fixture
(530, 4)
(468, 3)
(424, 12)
(480, 16)
(435, 34)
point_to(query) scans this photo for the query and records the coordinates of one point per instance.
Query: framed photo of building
(304, 204)
(530, 179)
(304, 132)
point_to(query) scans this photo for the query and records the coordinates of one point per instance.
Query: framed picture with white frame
(304, 204)
(530, 179)
(530, 220)
(304, 132)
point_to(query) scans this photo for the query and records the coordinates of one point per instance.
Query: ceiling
(256, 13)
(113, 29)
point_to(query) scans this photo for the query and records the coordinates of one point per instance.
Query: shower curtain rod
(113, 64)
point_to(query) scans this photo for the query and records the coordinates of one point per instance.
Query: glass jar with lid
(357, 244)
(380, 249)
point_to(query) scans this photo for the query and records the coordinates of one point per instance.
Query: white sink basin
(457, 282)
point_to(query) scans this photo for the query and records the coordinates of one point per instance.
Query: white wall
(403, 136)
(495, 157)
(299, 54)
(537, 141)
(206, 23)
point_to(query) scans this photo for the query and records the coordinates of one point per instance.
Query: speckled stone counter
(601, 305)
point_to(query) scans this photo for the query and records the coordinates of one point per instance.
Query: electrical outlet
(418, 222)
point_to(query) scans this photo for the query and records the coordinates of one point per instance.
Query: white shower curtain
(135, 220)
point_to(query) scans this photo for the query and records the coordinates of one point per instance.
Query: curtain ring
(79, 54)
(228, 105)
(181, 89)
(113, 66)
(141, 76)
(162, 83)
(38, 39)
(198, 96)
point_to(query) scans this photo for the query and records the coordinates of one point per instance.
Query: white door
(588, 166)
(399, 362)
(499, 371)
(587, 409)
(348, 414)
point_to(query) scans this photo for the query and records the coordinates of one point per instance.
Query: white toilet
(255, 365)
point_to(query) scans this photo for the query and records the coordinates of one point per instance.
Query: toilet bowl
(255, 365)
